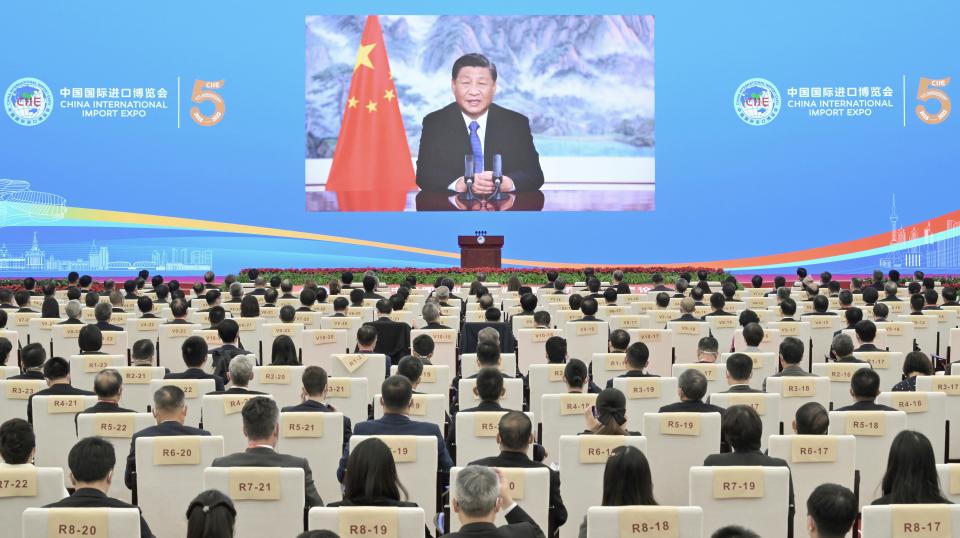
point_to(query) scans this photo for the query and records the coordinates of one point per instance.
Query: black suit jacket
(107, 326)
(445, 141)
(690, 406)
(558, 512)
(741, 389)
(753, 458)
(160, 430)
(70, 321)
(317, 407)
(222, 356)
(865, 406)
(393, 338)
(94, 498)
(392, 424)
(196, 373)
(629, 373)
(60, 389)
(519, 525)
(266, 457)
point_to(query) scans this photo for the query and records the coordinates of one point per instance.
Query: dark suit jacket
(436, 325)
(741, 389)
(237, 390)
(445, 141)
(629, 373)
(519, 525)
(867, 347)
(687, 317)
(222, 356)
(393, 338)
(71, 321)
(468, 336)
(691, 406)
(94, 498)
(392, 424)
(452, 430)
(266, 457)
(865, 406)
(196, 373)
(317, 407)
(60, 389)
(107, 326)
(29, 375)
(160, 430)
(558, 512)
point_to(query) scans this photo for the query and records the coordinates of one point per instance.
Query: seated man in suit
(831, 511)
(515, 435)
(396, 397)
(739, 372)
(108, 386)
(6, 300)
(489, 389)
(102, 313)
(307, 298)
(261, 426)
(90, 340)
(32, 358)
(742, 428)
(618, 341)
(239, 375)
(22, 298)
(691, 388)
(820, 307)
(841, 349)
(866, 333)
(116, 302)
(56, 371)
(791, 357)
(369, 288)
(314, 399)
(481, 493)
(890, 291)
(236, 292)
(340, 305)
(788, 309)
(143, 353)
(752, 337)
(393, 337)
(852, 316)
(865, 387)
(431, 315)
(179, 310)
(687, 307)
(638, 356)
(589, 307)
(367, 338)
(708, 350)
(718, 302)
(130, 289)
(170, 410)
(422, 348)
(949, 297)
(473, 125)
(811, 419)
(91, 463)
(194, 351)
(145, 306)
(270, 298)
(658, 286)
(229, 332)
(73, 310)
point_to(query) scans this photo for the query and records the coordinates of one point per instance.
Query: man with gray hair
(691, 388)
(431, 313)
(442, 293)
(687, 307)
(116, 301)
(108, 386)
(170, 410)
(841, 349)
(72, 310)
(239, 374)
(488, 335)
(890, 289)
(481, 493)
(236, 292)
(102, 313)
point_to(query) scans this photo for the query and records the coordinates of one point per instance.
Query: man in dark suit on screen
(473, 125)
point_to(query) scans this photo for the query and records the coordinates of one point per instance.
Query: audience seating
(681, 441)
(795, 392)
(887, 364)
(512, 399)
(14, 395)
(949, 474)
(119, 522)
(530, 488)
(755, 496)
(270, 332)
(55, 428)
(606, 521)
(714, 372)
(169, 344)
(369, 366)
(874, 431)
(926, 413)
(318, 437)
(272, 504)
(900, 334)
(949, 385)
(766, 405)
(686, 335)
(416, 459)
(660, 344)
(891, 521)
(396, 521)
(469, 366)
(839, 375)
(48, 483)
(349, 395)
(765, 364)
(221, 416)
(192, 389)
(645, 395)
(430, 408)
(118, 429)
(84, 368)
(531, 346)
(545, 379)
(284, 383)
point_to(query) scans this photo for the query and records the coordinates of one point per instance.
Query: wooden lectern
(480, 251)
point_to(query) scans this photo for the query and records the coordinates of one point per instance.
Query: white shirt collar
(482, 120)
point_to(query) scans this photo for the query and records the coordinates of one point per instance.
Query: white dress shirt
(481, 132)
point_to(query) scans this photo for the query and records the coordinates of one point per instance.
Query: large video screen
(432, 113)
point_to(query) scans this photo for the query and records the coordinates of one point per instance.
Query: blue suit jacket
(391, 424)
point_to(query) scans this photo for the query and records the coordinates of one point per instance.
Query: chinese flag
(372, 169)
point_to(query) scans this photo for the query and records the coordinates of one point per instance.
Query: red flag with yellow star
(372, 168)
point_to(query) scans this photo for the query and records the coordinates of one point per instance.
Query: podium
(480, 251)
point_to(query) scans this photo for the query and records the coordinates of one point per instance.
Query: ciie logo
(757, 101)
(28, 101)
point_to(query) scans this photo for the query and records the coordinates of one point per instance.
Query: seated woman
(284, 352)
(575, 375)
(626, 481)
(608, 416)
(211, 515)
(371, 478)
(911, 476)
(50, 308)
(915, 364)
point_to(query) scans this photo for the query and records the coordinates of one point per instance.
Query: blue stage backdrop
(190, 136)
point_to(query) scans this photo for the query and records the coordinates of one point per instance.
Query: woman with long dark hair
(211, 515)
(626, 481)
(249, 307)
(911, 476)
(610, 417)
(284, 352)
(50, 308)
(915, 364)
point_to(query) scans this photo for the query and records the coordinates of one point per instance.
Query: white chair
(924, 331)
(531, 346)
(249, 333)
(169, 473)
(142, 329)
(39, 486)
(13, 337)
(821, 335)
(795, 392)
(445, 345)
(769, 344)
(118, 429)
(660, 344)
(946, 320)
(880, 340)
(874, 431)
(393, 521)
(136, 386)
(815, 460)
(350, 395)
(430, 408)
(521, 322)
(949, 474)
(8, 371)
(269, 500)
(758, 495)
(890, 521)
(348, 324)
(716, 374)
(545, 379)
(645, 395)
(839, 374)
(900, 334)
(469, 366)
(19, 322)
(477, 435)
(512, 399)
(584, 338)
(435, 380)
(630, 321)
(562, 415)
(54, 428)
(40, 330)
(767, 405)
(112, 522)
(211, 337)
(221, 416)
(529, 488)
(84, 368)
(796, 329)
(949, 385)
(582, 459)
(284, 383)
(606, 366)
(606, 521)
(416, 460)
(192, 389)
(764, 366)
(170, 344)
(926, 413)
(684, 440)
(270, 332)
(14, 395)
(365, 313)
(723, 328)
(115, 343)
(887, 364)
(686, 335)
(309, 320)
(320, 345)
(318, 437)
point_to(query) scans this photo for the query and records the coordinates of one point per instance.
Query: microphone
(468, 174)
(497, 178)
